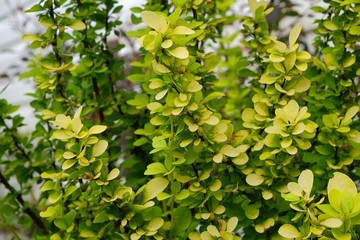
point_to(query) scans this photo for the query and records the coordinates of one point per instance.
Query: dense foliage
(199, 139)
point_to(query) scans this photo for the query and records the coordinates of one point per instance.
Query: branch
(19, 198)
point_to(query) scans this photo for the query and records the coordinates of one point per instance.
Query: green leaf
(252, 211)
(101, 217)
(154, 187)
(48, 185)
(60, 223)
(183, 219)
(354, 30)
(180, 3)
(340, 235)
(137, 78)
(55, 237)
(175, 15)
(330, 25)
(155, 168)
(212, 96)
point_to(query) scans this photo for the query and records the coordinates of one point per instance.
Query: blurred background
(14, 53)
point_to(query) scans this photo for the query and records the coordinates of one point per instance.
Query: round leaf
(343, 183)
(99, 148)
(289, 231)
(306, 180)
(180, 52)
(113, 174)
(254, 179)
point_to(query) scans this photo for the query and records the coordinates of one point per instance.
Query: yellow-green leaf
(212, 120)
(231, 224)
(68, 155)
(230, 151)
(162, 68)
(254, 4)
(54, 196)
(330, 25)
(276, 58)
(154, 105)
(161, 94)
(213, 231)
(154, 187)
(167, 43)
(295, 188)
(47, 114)
(349, 61)
(76, 125)
(306, 180)
(343, 183)
(180, 52)
(292, 150)
(155, 224)
(216, 185)
(30, 37)
(212, 96)
(289, 231)
(254, 179)
(99, 148)
(218, 158)
(194, 86)
(155, 168)
(331, 222)
(48, 185)
(182, 30)
(349, 115)
(68, 164)
(155, 21)
(97, 129)
(113, 174)
(290, 61)
(294, 34)
(78, 25)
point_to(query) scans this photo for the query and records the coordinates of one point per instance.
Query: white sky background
(14, 23)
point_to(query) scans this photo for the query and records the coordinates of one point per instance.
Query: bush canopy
(198, 135)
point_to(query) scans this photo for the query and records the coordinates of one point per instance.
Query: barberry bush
(198, 135)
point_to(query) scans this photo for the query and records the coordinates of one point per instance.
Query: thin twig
(19, 198)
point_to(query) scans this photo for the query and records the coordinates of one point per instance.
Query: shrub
(191, 143)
